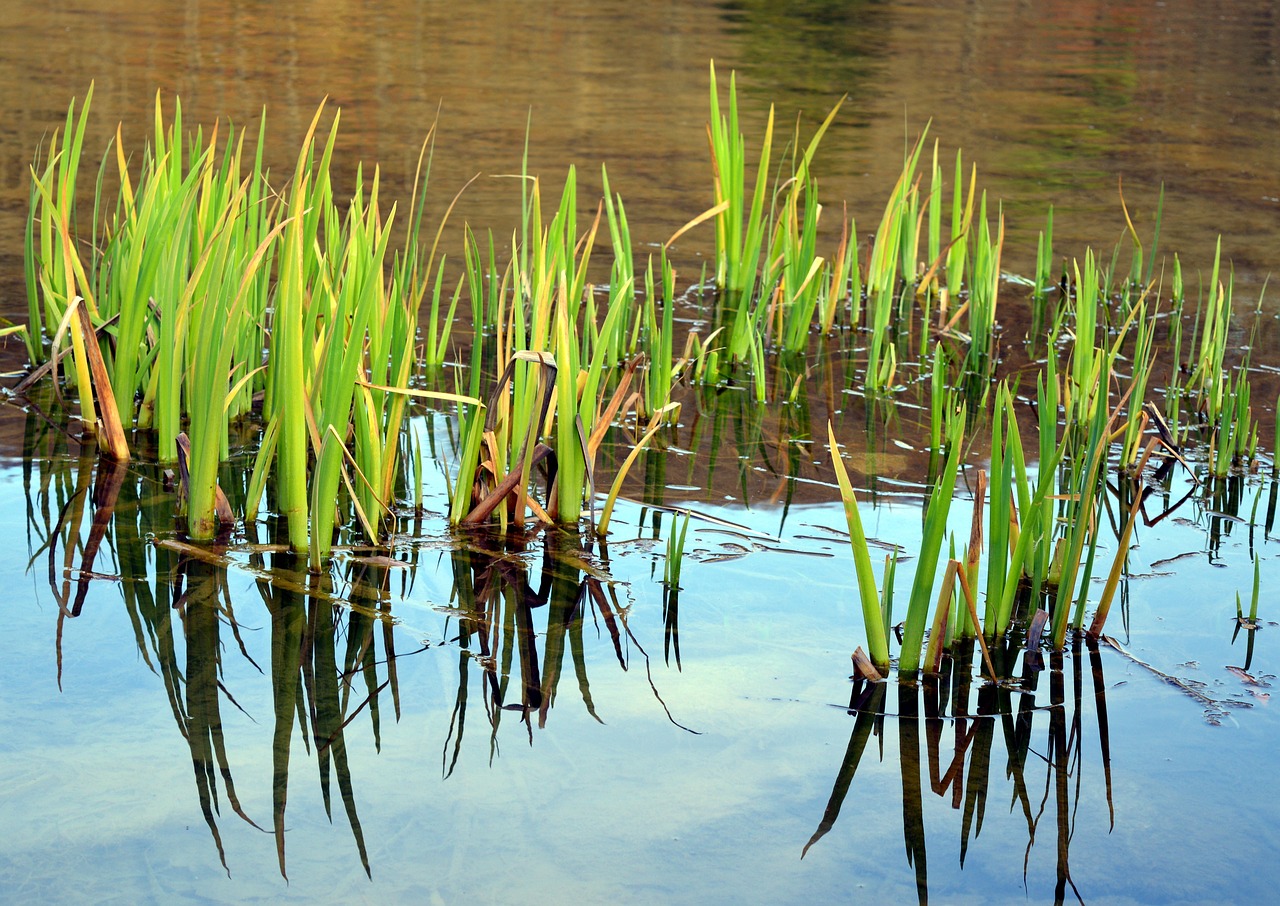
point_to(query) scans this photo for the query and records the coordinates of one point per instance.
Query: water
(691, 776)
(534, 720)
(1054, 102)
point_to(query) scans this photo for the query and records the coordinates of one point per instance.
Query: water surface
(573, 730)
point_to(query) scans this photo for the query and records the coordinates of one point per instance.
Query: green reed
(769, 277)
(205, 289)
(214, 309)
(1233, 433)
(674, 560)
(935, 522)
(1044, 264)
(658, 333)
(984, 292)
(622, 278)
(1006, 447)
(1143, 362)
(554, 358)
(1253, 599)
(742, 225)
(55, 275)
(936, 511)
(1210, 339)
(895, 242)
(1080, 535)
(286, 399)
(200, 269)
(1275, 448)
(66, 293)
(804, 274)
(412, 270)
(873, 617)
(844, 282)
(961, 218)
(935, 215)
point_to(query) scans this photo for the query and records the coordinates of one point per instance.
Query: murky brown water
(1054, 101)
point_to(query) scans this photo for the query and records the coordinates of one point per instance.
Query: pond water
(547, 720)
(498, 722)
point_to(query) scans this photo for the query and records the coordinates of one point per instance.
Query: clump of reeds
(551, 376)
(205, 291)
(771, 282)
(1040, 546)
(202, 295)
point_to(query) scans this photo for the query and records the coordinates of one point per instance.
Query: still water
(540, 724)
(498, 722)
(1054, 102)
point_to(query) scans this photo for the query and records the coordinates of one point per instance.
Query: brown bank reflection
(950, 736)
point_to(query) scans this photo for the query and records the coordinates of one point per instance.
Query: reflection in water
(332, 652)
(522, 611)
(1053, 102)
(671, 624)
(200, 598)
(733, 446)
(767, 443)
(962, 776)
(308, 688)
(495, 601)
(496, 629)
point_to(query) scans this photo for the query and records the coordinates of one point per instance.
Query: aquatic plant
(873, 618)
(656, 325)
(741, 224)
(544, 326)
(582, 368)
(770, 280)
(206, 294)
(199, 278)
(1044, 281)
(921, 595)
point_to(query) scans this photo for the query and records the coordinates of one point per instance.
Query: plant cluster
(205, 295)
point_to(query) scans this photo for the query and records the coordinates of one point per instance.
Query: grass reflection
(200, 597)
(524, 610)
(496, 597)
(955, 766)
